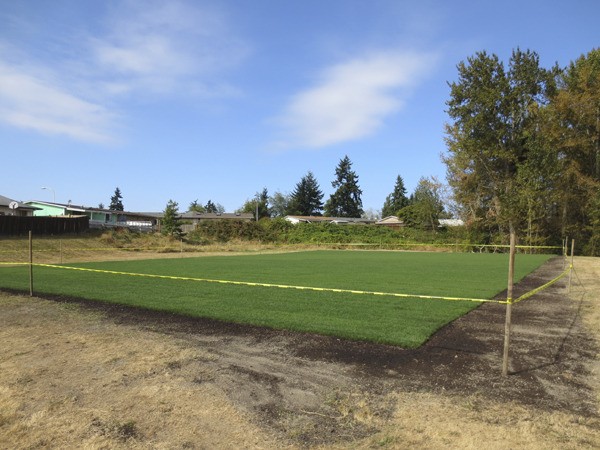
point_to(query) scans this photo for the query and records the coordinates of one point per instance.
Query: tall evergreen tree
(345, 201)
(171, 223)
(210, 207)
(396, 200)
(115, 201)
(307, 197)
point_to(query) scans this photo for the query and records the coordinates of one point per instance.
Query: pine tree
(396, 200)
(210, 207)
(345, 201)
(307, 198)
(115, 201)
(171, 225)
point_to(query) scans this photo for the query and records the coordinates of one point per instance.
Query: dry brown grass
(73, 380)
(111, 246)
(424, 420)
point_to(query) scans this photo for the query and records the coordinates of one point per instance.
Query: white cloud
(31, 102)
(164, 47)
(352, 99)
(72, 86)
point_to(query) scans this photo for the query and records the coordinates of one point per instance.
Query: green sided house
(98, 217)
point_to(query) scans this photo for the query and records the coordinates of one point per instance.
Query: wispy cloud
(32, 102)
(351, 100)
(165, 47)
(146, 49)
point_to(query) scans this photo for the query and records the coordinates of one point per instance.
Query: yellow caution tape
(281, 286)
(544, 286)
(307, 288)
(436, 244)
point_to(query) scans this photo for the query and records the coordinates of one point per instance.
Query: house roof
(314, 219)
(390, 220)
(152, 215)
(190, 215)
(6, 201)
(78, 208)
(149, 215)
(200, 216)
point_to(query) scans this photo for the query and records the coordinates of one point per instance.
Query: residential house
(325, 219)
(391, 221)
(99, 217)
(10, 207)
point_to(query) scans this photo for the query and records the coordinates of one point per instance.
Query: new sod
(391, 320)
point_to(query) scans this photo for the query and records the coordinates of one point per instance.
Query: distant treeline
(280, 231)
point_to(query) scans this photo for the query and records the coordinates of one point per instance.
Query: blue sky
(189, 100)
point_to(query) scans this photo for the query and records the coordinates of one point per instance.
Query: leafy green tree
(259, 205)
(196, 207)
(280, 204)
(307, 197)
(593, 228)
(575, 132)
(536, 182)
(346, 200)
(115, 201)
(427, 207)
(494, 118)
(396, 200)
(171, 223)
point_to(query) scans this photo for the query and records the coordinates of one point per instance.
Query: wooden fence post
(30, 263)
(571, 271)
(509, 295)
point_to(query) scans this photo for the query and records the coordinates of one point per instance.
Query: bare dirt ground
(83, 375)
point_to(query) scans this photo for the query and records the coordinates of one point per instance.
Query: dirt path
(78, 375)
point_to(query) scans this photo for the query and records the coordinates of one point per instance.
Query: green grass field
(391, 320)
